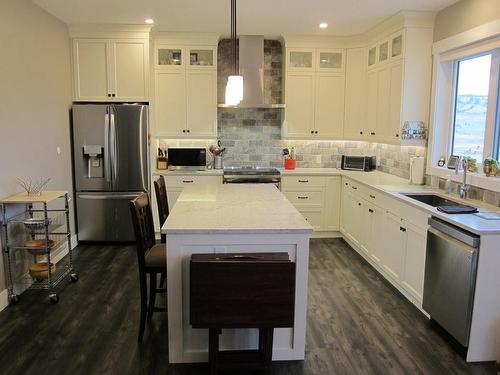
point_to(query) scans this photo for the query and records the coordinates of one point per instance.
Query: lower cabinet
(393, 244)
(317, 198)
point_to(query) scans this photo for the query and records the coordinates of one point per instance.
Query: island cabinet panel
(317, 198)
(217, 221)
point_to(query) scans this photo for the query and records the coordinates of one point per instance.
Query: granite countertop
(234, 208)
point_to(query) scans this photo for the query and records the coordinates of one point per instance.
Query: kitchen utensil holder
(290, 164)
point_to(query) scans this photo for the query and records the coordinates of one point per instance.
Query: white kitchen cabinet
(375, 221)
(403, 63)
(317, 198)
(329, 106)
(170, 103)
(355, 94)
(392, 254)
(314, 93)
(185, 91)
(414, 261)
(299, 99)
(333, 192)
(110, 69)
(353, 221)
(200, 98)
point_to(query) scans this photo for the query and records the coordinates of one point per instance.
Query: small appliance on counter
(358, 163)
(194, 158)
(417, 170)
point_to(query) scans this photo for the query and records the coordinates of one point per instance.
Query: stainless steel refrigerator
(111, 167)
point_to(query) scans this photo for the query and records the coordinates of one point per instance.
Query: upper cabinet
(110, 69)
(392, 86)
(185, 101)
(314, 93)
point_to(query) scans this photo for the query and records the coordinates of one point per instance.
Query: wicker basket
(37, 247)
(40, 270)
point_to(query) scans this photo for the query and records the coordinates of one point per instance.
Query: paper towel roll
(417, 167)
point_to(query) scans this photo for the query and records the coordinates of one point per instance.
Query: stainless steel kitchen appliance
(358, 163)
(252, 175)
(191, 158)
(450, 277)
(111, 167)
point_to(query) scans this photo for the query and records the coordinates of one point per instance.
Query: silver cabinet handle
(108, 197)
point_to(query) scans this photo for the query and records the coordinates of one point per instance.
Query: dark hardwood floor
(357, 324)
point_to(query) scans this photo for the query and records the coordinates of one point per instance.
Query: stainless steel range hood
(251, 65)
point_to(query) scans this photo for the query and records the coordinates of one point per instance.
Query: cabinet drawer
(186, 180)
(302, 181)
(313, 217)
(304, 197)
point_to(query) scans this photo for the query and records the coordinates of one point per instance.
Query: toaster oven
(358, 163)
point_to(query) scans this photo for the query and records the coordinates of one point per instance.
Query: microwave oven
(358, 163)
(194, 158)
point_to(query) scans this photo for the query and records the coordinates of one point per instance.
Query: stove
(252, 175)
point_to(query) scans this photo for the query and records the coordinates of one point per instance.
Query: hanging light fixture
(234, 86)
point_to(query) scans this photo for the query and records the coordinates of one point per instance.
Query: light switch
(58, 149)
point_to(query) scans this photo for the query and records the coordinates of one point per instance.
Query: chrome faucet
(463, 162)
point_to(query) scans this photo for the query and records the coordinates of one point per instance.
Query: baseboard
(4, 294)
(326, 234)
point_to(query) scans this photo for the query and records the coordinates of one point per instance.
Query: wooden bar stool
(151, 257)
(162, 203)
(253, 290)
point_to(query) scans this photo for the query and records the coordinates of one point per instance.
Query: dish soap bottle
(448, 187)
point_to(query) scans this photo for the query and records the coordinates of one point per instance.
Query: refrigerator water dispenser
(93, 161)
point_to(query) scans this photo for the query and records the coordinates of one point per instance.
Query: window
(474, 117)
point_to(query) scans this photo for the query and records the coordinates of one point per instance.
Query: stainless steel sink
(432, 199)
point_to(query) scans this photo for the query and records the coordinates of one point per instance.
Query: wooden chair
(152, 258)
(162, 203)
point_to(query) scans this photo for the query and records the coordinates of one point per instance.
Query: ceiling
(267, 17)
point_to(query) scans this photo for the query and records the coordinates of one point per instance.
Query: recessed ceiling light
(149, 21)
(323, 25)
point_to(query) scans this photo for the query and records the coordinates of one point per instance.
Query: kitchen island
(232, 218)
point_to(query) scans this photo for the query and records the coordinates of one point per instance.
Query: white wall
(465, 15)
(35, 98)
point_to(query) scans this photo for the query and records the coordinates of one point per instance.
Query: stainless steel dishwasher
(450, 277)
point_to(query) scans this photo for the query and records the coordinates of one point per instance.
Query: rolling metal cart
(39, 228)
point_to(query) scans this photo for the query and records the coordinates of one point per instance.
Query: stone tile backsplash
(253, 137)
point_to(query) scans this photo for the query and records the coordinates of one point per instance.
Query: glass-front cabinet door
(169, 57)
(383, 51)
(331, 60)
(372, 56)
(300, 60)
(397, 46)
(202, 57)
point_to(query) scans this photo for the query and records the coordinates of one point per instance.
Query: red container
(290, 163)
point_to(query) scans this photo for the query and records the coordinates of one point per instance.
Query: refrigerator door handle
(107, 156)
(114, 148)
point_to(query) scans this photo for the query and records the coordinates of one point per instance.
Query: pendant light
(234, 86)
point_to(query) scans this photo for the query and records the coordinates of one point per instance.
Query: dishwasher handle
(455, 232)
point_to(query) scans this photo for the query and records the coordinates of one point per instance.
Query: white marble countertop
(234, 208)
(204, 172)
(310, 171)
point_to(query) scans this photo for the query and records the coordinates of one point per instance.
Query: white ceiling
(267, 17)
